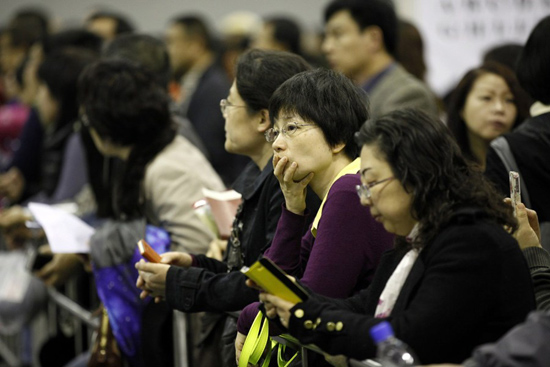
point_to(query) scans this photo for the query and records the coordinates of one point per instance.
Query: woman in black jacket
(456, 278)
(196, 283)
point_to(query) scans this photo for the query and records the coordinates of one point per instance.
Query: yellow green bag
(258, 343)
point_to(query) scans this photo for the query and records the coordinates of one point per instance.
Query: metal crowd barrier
(12, 351)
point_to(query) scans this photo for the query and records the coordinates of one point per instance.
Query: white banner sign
(457, 32)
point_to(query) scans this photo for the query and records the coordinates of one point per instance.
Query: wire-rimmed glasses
(224, 103)
(364, 191)
(288, 130)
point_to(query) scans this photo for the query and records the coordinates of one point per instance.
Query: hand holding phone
(515, 190)
(147, 252)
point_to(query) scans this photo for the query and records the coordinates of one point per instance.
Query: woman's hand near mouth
(293, 191)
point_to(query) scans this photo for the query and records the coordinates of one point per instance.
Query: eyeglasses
(288, 130)
(224, 103)
(364, 190)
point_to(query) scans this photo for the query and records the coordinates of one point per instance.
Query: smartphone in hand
(147, 252)
(515, 190)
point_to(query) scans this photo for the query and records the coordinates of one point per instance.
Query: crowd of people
(382, 201)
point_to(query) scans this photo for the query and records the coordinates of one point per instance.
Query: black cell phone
(38, 260)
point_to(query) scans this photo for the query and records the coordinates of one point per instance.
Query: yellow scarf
(351, 168)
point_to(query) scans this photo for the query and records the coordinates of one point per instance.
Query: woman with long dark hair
(486, 103)
(162, 175)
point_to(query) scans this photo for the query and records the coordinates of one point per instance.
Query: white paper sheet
(66, 233)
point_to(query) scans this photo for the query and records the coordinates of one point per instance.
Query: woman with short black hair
(315, 115)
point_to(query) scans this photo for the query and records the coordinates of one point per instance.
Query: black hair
(150, 53)
(429, 164)
(532, 67)
(80, 38)
(145, 50)
(20, 71)
(260, 72)
(123, 24)
(326, 98)
(506, 54)
(196, 27)
(125, 105)
(60, 71)
(36, 16)
(26, 28)
(368, 13)
(456, 123)
(410, 49)
(287, 32)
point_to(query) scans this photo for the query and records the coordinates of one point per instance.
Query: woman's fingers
(278, 302)
(250, 283)
(140, 283)
(153, 278)
(288, 175)
(182, 259)
(279, 167)
(146, 267)
(239, 343)
(275, 161)
(281, 307)
(533, 219)
(526, 235)
(306, 180)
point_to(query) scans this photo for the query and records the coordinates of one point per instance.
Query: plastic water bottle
(391, 352)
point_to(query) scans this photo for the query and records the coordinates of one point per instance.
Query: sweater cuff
(537, 257)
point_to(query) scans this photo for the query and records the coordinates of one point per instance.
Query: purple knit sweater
(341, 259)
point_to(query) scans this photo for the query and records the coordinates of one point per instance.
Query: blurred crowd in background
(128, 128)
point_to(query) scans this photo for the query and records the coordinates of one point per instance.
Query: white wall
(457, 32)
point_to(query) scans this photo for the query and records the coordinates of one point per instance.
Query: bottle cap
(381, 332)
